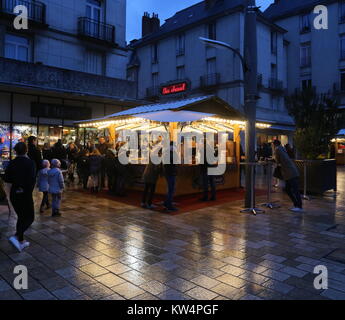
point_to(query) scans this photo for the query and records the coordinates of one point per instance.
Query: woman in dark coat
(21, 173)
(59, 152)
(34, 153)
(83, 167)
(95, 165)
(47, 152)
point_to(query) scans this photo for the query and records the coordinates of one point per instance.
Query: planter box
(321, 175)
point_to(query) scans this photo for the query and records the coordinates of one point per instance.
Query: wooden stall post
(112, 135)
(237, 140)
(172, 130)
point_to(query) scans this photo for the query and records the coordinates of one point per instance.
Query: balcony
(275, 84)
(152, 92)
(209, 81)
(93, 29)
(36, 10)
(40, 77)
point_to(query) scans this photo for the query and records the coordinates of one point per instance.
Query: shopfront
(339, 147)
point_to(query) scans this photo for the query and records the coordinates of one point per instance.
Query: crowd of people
(50, 167)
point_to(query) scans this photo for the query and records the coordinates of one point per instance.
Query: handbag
(278, 173)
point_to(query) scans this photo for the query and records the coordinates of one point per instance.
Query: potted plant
(317, 118)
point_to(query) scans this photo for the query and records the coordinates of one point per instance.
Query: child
(42, 183)
(56, 186)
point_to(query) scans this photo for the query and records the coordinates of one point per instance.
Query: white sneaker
(299, 210)
(14, 241)
(24, 245)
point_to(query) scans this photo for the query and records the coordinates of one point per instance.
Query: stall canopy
(186, 110)
(341, 132)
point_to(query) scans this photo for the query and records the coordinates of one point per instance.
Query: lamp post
(249, 66)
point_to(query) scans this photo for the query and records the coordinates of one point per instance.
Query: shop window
(5, 144)
(17, 48)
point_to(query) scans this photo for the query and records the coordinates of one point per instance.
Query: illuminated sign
(174, 88)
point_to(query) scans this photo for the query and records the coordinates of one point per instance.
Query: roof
(195, 14)
(341, 132)
(282, 8)
(204, 104)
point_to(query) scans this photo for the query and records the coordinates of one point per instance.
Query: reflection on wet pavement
(102, 249)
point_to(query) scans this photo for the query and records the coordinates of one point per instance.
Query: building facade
(170, 62)
(316, 57)
(70, 64)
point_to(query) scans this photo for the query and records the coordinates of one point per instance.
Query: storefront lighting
(105, 124)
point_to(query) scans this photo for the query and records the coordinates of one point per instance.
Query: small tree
(317, 118)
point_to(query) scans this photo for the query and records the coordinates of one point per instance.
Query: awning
(341, 132)
(175, 116)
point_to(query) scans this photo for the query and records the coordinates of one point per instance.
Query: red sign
(174, 88)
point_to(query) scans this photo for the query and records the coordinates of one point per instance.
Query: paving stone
(294, 272)
(4, 286)
(128, 290)
(278, 286)
(333, 294)
(180, 284)
(173, 295)
(118, 268)
(94, 270)
(110, 280)
(276, 275)
(40, 294)
(154, 287)
(97, 291)
(199, 293)
(205, 282)
(67, 293)
(232, 281)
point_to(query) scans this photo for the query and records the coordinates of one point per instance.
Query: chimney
(210, 3)
(155, 23)
(150, 24)
(146, 25)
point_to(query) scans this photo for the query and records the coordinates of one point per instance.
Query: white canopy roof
(341, 132)
(175, 116)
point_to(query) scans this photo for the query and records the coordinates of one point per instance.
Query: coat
(42, 180)
(35, 155)
(151, 173)
(55, 180)
(288, 167)
(95, 163)
(21, 173)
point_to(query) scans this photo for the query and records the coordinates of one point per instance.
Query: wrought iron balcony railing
(210, 80)
(96, 30)
(275, 84)
(36, 9)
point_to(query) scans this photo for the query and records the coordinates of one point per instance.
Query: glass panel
(4, 145)
(23, 53)
(21, 133)
(10, 51)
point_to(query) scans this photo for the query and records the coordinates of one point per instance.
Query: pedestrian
(43, 185)
(207, 179)
(170, 172)
(83, 168)
(290, 174)
(59, 153)
(290, 151)
(56, 186)
(47, 152)
(34, 153)
(121, 170)
(72, 156)
(102, 146)
(21, 173)
(150, 177)
(110, 169)
(95, 167)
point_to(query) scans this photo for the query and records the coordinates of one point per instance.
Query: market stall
(198, 115)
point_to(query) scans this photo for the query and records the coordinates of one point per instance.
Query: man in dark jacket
(34, 153)
(21, 173)
(60, 153)
(290, 174)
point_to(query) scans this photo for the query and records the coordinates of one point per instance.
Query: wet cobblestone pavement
(102, 249)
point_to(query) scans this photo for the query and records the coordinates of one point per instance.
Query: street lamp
(249, 66)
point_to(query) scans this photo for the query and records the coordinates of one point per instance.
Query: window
(305, 55)
(94, 62)
(180, 71)
(274, 38)
(274, 71)
(155, 80)
(306, 83)
(17, 48)
(342, 47)
(305, 23)
(180, 44)
(211, 66)
(342, 12)
(154, 53)
(342, 80)
(94, 10)
(212, 31)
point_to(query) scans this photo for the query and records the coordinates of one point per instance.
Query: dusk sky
(165, 9)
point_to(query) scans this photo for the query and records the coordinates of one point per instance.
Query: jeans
(23, 204)
(206, 181)
(149, 192)
(171, 181)
(292, 189)
(45, 200)
(56, 201)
